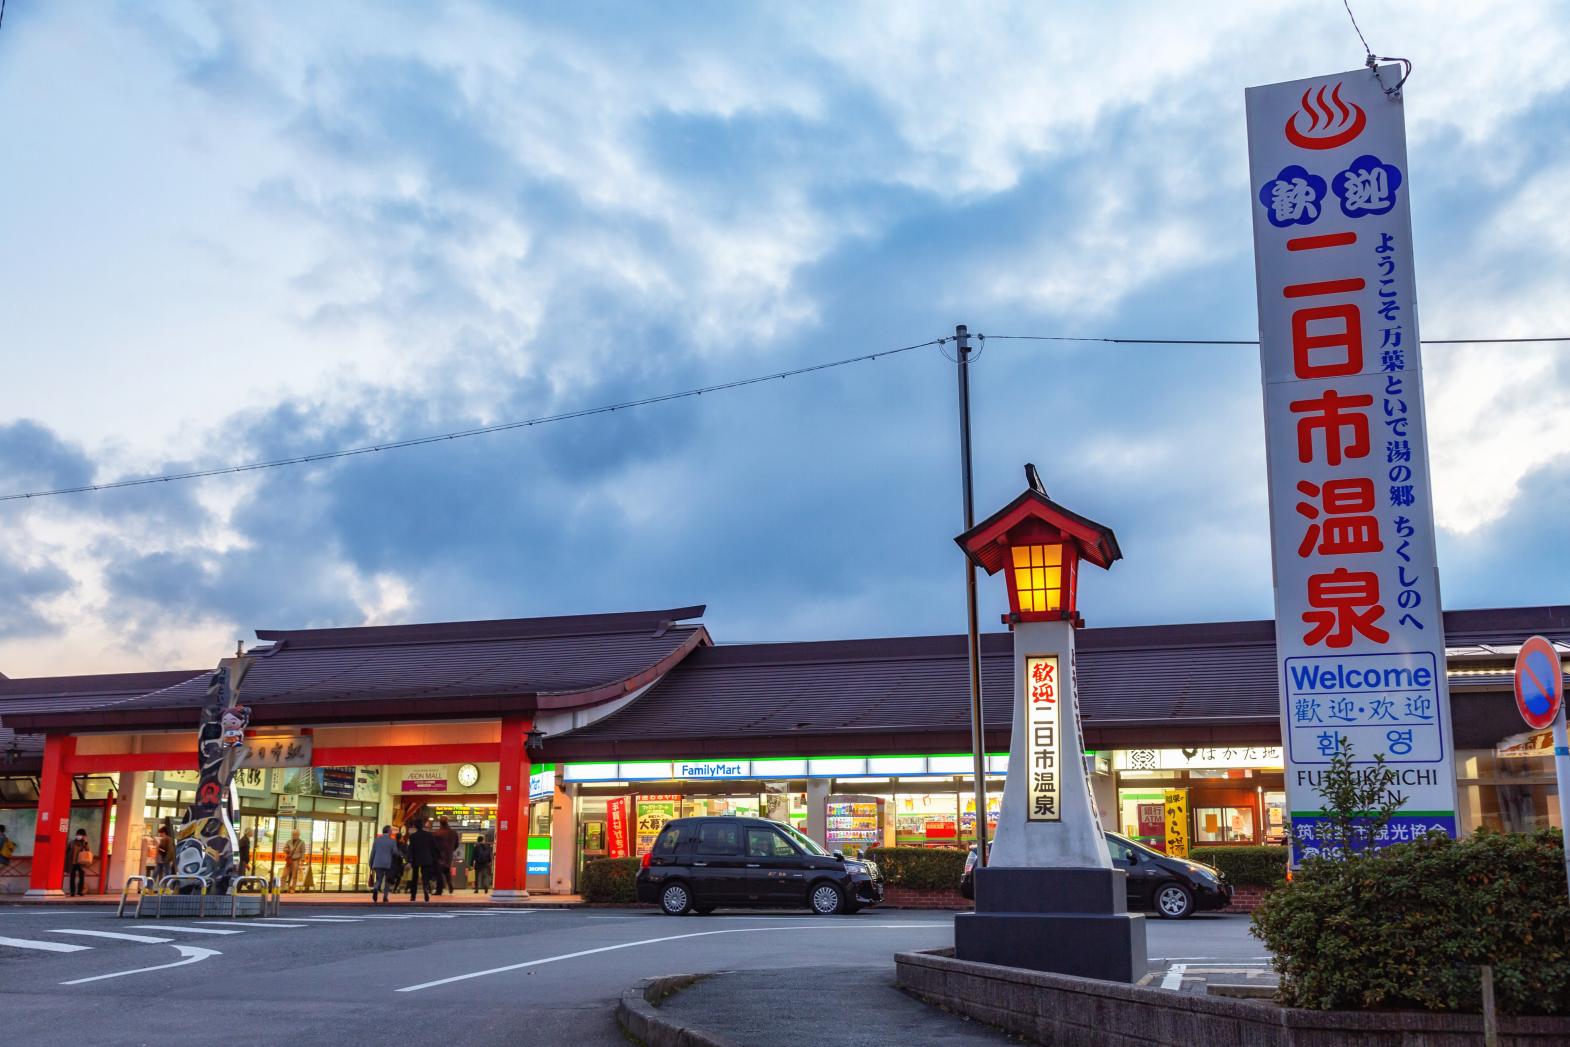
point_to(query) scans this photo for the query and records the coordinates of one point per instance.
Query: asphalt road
(358, 974)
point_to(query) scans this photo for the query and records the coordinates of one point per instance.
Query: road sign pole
(1562, 776)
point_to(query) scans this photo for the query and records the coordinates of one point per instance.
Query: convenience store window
(1223, 825)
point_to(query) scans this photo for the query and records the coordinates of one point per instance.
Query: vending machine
(853, 823)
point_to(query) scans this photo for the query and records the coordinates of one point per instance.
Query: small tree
(1358, 802)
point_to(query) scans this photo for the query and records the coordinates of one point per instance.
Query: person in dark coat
(77, 856)
(423, 856)
(245, 853)
(484, 854)
(446, 847)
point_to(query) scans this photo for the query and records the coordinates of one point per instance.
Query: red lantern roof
(1033, 518)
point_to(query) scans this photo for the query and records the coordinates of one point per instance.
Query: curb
(638, 1014)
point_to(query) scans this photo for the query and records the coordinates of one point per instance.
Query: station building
(571, 738)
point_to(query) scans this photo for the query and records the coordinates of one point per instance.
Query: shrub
(921, 868)
(1408, 926)
(1246, 866)
(610, 880)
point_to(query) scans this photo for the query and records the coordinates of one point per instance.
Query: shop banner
(289, 750)
(368, 784)
(1175, 811)
(1359, 636)
(653, 813)
(425, 780)
(538, 856)
(1209, 758)
(335, 782)
(616, 828)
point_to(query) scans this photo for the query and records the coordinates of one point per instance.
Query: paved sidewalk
(822, 1006)
(460, 898)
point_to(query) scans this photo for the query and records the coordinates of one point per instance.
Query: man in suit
(423, 856)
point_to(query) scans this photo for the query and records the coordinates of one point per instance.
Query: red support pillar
(512, 810)
(54, 816)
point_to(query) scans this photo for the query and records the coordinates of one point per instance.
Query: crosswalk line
(119, 936)
(253, 923)
(24, 943)
(182, 930)
(328, 919)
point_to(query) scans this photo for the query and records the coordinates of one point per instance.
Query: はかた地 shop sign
(1359, 635)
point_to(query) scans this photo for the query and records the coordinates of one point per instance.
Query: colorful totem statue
(206, 844)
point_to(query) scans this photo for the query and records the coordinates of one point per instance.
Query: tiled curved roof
(50, 693)
(493, 666)
(807, 695)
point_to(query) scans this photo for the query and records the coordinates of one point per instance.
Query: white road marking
(145, 939)
(182, 930)
(192, 954)
(1174, 978)
(858, 926)
(23, 943)
(328, 919)
(236, 923)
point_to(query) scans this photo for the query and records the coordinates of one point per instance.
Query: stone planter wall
(1080, 1012)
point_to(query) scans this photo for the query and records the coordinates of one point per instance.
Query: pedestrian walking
(423, 856)
(400, 859)
(78, 856)
(149, 854)
(7, 848)
(446, 847)
(165, 864)
(293, 856)
(245, 852)
(384, 858)
(484, 854)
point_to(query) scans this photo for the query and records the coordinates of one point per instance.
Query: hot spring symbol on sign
(1330, 121)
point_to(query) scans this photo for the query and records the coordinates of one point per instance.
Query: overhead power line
(462, 434)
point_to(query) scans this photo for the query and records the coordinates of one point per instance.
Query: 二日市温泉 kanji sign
(1043, 738)
(1359, 635)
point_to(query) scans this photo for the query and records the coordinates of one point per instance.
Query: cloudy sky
(232, 232)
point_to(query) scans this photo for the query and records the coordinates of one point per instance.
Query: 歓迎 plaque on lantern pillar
(1049, 899)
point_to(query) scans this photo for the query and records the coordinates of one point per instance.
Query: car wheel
(703, 910)
(827, 899)
(675, 899)
(1174, 901)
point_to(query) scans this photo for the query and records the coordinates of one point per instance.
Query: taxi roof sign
(1539, 682)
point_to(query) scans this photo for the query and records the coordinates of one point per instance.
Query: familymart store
(849, 803)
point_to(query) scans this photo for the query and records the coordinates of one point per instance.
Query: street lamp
(534, 741)
(1049, 899)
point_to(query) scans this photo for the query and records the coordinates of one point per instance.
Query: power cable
(392, 445)
(462, 434)
(1254, 341)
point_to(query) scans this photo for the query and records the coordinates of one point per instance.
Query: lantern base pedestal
(1063, 921)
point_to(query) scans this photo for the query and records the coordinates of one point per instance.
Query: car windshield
(803, 841)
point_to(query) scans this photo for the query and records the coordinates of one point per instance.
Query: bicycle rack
(234, 894)
(142, 882)
(165, 887)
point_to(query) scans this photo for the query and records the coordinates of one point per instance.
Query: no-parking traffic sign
(1539, 682)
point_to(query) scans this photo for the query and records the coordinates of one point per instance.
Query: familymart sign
(808, 767)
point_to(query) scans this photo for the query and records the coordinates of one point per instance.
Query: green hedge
(922, 868)
(610, 880)
(1246, 866)
(1408, 926)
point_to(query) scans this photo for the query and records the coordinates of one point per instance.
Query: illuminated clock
(468, 776)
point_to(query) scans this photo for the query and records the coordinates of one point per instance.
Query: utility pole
(978, 738)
